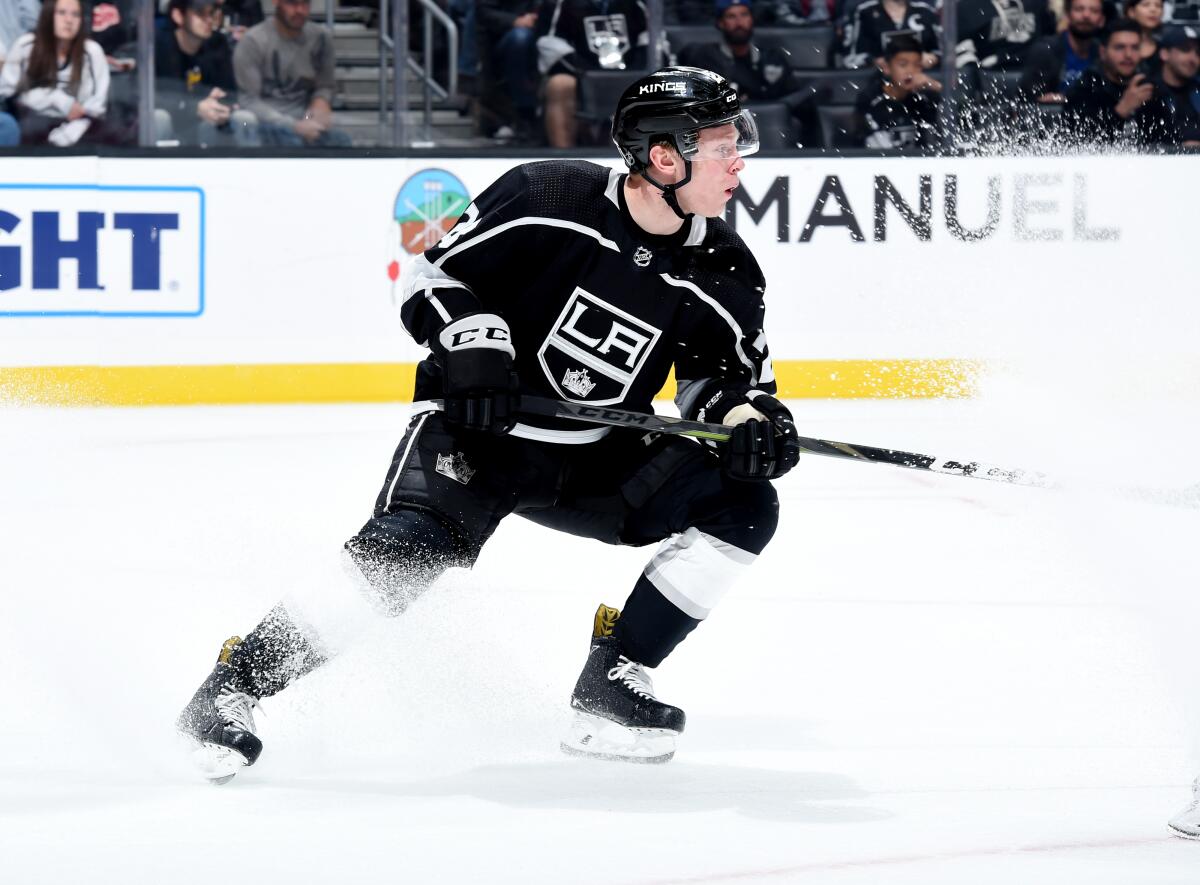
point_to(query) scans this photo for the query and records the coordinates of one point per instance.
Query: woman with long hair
(58, 79)
(1148, 15)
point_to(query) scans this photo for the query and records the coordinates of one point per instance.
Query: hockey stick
(549, 408)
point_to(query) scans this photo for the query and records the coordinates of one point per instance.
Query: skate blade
(594, 737)
(1183, 834)
(218, 764)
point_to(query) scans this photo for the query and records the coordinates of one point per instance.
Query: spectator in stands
(575, 36)
(1176, 86)
(900, 107)
(997, 34)
(1148, 15)
(757, 73)
(58, 80)
(10, 132)
(509, 33)
(284, 71)
(1055, 63)
(873, 23)
(195, 91)
(17, 17)
(1106, 104)
(114, 27)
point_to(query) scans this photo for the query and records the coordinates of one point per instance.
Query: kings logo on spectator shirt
(594, 335)
(101, 250)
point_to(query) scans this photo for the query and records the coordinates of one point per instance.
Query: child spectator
(195, 92)
(1055, 63)
(58, 80)
(900, 108)
(872, 23)
(584, 35)
(284, 71)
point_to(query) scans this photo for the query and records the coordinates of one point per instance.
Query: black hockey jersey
(599, 310)
(588, 35)
(869, 29)
(998, 33)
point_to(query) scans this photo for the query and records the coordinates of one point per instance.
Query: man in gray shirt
(284, 71)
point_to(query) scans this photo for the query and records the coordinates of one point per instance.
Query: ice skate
(1187, 823)
(219, 720)
(616, 715)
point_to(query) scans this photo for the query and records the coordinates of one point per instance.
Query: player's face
(68, 19)
(1183, 62)
(293, 13)
(901, 69)
(715, 171)
(1148, 14)
(1085, 18)
(1121, 56)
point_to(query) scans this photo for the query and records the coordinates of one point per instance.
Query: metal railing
(393, 47)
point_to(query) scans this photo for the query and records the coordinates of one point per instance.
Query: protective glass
(738, 138)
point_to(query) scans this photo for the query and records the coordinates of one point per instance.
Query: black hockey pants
(447, 490)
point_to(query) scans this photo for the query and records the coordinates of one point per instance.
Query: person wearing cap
(1176, 87)
(284, 68)
(195, 92)
(1113, 103)
(1055, 63)
(900, 108)
(758, 73)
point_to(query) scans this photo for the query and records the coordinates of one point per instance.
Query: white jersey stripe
(727, 317)
(521, 222)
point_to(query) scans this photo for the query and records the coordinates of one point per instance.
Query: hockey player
(570, 280)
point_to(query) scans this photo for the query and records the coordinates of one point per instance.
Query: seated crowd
(225, 74)
(819, 73)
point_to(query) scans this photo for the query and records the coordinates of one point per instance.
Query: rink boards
(172, 280)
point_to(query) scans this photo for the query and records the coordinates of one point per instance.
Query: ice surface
(929, 680)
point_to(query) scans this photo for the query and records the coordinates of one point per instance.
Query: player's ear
(665, 161)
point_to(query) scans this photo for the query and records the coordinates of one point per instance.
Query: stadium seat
(835, 87)
(679, 36)
(600, 90)
(837, 126)
(808, 48)
(999, 85)
(776, 130)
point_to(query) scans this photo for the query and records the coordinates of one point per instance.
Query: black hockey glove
(764, 443)
(481, 389)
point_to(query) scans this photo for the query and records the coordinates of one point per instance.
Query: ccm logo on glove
(477, 330)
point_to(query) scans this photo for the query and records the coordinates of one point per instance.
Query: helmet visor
(728, 141)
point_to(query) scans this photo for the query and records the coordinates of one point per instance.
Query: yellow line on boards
(393, 382)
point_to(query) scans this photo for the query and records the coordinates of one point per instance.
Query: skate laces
(633, 676)
(237, 708)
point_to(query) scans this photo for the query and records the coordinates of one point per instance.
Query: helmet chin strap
(668, 190)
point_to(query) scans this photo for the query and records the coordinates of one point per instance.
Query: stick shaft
(549, 408)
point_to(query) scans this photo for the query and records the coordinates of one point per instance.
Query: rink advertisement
(231, 280)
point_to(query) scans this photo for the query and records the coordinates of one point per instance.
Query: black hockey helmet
(677, 102)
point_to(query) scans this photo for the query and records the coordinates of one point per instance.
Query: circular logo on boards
(427, 206)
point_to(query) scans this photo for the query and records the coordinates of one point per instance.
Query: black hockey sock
(650, 625)
(277, 652)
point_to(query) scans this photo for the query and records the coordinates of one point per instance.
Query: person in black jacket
(1112, 104)
(872, 23)
(1176, 86)
(1055, 63)
(757, 73)
(195, 90)
(997, 34)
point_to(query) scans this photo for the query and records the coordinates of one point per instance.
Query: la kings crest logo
(595, 351)
(455, 466)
